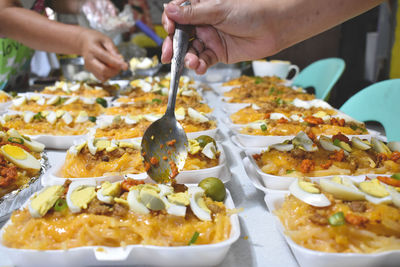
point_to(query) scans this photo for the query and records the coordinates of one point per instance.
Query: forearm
(296, 20)
(37, 32)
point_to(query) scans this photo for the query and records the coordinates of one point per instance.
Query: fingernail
(164, 5)
(172, 9)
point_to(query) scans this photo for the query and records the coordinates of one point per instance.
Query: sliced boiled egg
(31, 144)
(308, 193)
(189, 93)
(28, 116)
(174, 205)
(210, 150)
(152, 117)
(67, 118)
(80, 194)
(130, 120)
(342, 188)
(375, 192)
(19, 101)
(89, 100)
(255, 107)
(108, 192)
(277, 116)
(41, 101)
(53, 100)
(134, 204)
(82, 117)
(318, 103)
(51, 117)
(301, 103)
(20, 157)
(92, 148)
(74, 87)
(180, 114)
(71, 100)
(41, 202)
(197, 116)
(59, 113)
(74, 150)
(198, 205)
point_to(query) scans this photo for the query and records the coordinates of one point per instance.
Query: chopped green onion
(271, 90)
(101, 101)
(60, 205)
(289, 171)
(13, 93)
(194, 238)
(337, 219)
(16, 140)
(38, 116)
(60, 101)
(396, 176)
(92, 119)
(258, 80)
(336, 142)
(156, 100)
(263, 127)
(26, 137)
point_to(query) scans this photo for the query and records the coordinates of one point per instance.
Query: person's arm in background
(230, 31)
(36, 31)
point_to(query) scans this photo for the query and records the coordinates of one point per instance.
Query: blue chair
(378, 102)
(322, 75)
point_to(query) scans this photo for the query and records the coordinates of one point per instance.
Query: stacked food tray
(100, 181)
(330, 182)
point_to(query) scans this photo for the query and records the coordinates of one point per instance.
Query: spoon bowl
(164, 144)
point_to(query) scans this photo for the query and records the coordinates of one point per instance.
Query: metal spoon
(164, 144)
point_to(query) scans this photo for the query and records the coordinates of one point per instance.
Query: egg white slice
(31, 144)
(71, 100)
(173, 209)
(316, 200)
(19, 101)
(197, 116)
(51, 117)
(395, 196)
(53, 100)
(67, 118)
(72, 187)
(343, 191)
(20, 157)
(196, 195)
(209, 150)
(28, 116)
(134, 204)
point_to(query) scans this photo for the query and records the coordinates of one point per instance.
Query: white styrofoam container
(275, 182)
(57, 141)
(5, 106)
(311, 258)
(258, 141)
(184, 177)
(197, 255)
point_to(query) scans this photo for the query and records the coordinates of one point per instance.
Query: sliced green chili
(101, 101)
(60, 205)
(16, 140)
(337, 219)
(194, 238)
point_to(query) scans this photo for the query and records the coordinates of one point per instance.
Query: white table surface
(259, 244)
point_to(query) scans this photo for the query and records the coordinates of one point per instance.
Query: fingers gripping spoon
(164, 144)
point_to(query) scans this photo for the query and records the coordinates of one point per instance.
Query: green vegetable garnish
(60, 205)
(38, 116)
(92, 119)
(101, 101)
(336, 142)
(337, 219)
(258, 80)
(194, 238)
(16, 140)
(396, 176)
(156, 100)
(13, 93)
(26, 137)
(271, 90)
(263, 127)
(289, 171)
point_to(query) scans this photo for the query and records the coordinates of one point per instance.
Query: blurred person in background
(24, 27)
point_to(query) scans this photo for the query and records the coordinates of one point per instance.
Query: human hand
(226, 31)
(100, 54)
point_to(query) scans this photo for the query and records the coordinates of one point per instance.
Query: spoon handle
(180, 46)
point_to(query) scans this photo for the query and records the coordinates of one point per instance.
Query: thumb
(204, 12)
